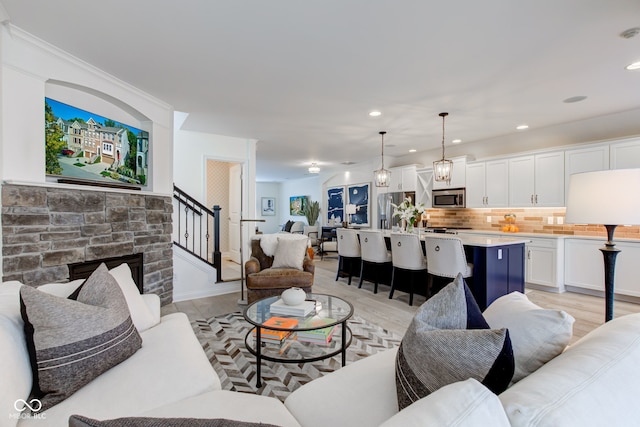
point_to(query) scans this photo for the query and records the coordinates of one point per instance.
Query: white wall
(191, 152)
(272, 222)
(310, 187)
(33, 69)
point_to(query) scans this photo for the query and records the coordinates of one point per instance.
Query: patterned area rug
(222, 338)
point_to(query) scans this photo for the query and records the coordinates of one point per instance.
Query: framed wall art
(296, 205)
(358, 195)
(268, 206)
(335, 205)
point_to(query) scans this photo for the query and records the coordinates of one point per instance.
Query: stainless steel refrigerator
(386, 220)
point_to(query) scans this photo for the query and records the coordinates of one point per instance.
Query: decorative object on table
(275, 336)
(317, 336)
(382, 176)
(358, 195)
(297, 204)
(350, 211)
(300, 310)
(611, 198)
(510, 226)
(335, 205)
(293, 296)
(443, 168)
(312, 211)
(408, 213)
(268, 206)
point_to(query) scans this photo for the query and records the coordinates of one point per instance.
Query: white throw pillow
(141, 316)
(464, 403)
(290, 253)
(537, 335)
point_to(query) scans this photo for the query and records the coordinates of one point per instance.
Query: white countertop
(480, 241)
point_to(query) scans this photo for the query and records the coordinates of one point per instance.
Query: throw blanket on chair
(269, 242)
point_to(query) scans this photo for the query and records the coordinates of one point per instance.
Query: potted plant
(312, 212)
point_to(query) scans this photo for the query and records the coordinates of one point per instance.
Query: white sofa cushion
(230, 405)
(169, 367)
(14, 356)
(71, 342)
(465, 403)
(360, 394)
(140, 313)
(290, 253)
(537, 335)
(595, 382)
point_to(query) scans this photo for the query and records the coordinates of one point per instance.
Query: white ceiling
(301, 76)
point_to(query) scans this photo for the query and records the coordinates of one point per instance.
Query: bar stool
(376, 259)
(349, 259)
(407, 255)
(446, 257)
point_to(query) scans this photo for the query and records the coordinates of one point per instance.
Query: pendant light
(442, 168)
(382, 176)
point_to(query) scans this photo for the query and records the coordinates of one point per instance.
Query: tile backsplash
(528, 220)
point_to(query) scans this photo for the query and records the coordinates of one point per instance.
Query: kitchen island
(498, 266)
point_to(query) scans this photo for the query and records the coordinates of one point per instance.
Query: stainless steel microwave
(450, 198)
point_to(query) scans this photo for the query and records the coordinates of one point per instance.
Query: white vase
(293, 296)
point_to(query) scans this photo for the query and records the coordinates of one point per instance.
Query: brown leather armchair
(264, 281)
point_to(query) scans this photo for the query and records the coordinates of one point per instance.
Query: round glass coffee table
(321, 334)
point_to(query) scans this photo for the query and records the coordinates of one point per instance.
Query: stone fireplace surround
(45, 228)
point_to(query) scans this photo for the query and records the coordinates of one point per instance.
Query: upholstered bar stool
(349, 258)
(407, 255)
(446, 257)
(376, 264)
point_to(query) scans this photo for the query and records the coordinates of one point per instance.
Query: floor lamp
(611, 198)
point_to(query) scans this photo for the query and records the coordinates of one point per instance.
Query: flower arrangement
(408, 212)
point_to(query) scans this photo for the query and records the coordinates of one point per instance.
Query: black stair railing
(198, 227)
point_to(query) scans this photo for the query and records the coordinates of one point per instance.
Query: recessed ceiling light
(413, 150)
(634, 66)
(522, 127)
(314, 168)
(574, 99)
(456, 141)
(375, 113)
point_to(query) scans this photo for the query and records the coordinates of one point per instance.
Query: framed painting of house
(358, 195)
(335, 205)
(84, 146)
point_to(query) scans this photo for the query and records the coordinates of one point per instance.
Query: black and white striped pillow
(70, 341)
(448, 341)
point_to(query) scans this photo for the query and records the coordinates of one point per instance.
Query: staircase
(197, 228)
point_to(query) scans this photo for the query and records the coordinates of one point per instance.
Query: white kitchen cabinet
(487, 184)
(424, 185)
(537, 180)
(458, 175)
(544, 263)
(625, 154)
(584, 266)
(403, 178)
(587, 159)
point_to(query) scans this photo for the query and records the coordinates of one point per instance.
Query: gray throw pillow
(447, 341)
(79, 421)
(70, 341)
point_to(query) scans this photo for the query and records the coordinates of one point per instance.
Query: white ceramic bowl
(293, 296)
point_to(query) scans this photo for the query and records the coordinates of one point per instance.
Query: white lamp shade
(351, 209)
(610, 197)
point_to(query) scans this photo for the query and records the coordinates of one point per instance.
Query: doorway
(223, 183)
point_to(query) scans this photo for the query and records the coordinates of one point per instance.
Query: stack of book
(300, 310)
(275, 336)
(317, 336)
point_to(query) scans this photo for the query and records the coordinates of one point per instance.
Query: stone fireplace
(46, 228)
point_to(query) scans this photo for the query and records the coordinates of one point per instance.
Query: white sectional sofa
(595, 382)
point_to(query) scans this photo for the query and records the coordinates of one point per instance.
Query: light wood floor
(395, 315)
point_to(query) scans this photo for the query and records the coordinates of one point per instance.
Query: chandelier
(442, 168)
(382, 176)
